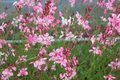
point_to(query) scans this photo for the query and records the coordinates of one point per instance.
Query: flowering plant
(59, 45)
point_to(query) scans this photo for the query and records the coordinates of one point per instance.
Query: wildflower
(3, 15)
(115, 64)
(93, 40)
(38, 8)
(109, 77)
(67, 35)
(81, 21)
(32, 39)
(60, 14)
(2, 42)
(40, 64)
(72, 2)
(3, 26)
(109, 4)
(58, 57)
(42, 52)
(23, 72)
(6, 74)
(22, 58)
(96, 50)
(70, 73)
(115, 22)
(45, 39)
(74, 61)
(65, 21)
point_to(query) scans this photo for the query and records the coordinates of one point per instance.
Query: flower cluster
(115, 64)
(42, 25)
(3, 15)
(61, 56)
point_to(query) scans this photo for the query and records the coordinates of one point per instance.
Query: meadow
(60, 40)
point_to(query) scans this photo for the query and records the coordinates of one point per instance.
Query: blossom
(32, 39)
(82, 21)
(42, 52)
(67, 35)
(45, 39)
(6, 74)
(22, 3)
(2, 42)
(52, 7)
(38, 8)
(109, 4)
(74, 61)
(22, 58)
(22, 72)
(45, 21)
(65, 21)
(109, 77)
(60, 14)
(114, 20)
(84, 1)
(103, 19)
(3, 15)
(40, 63)
(3, 26)
(70, 73)
(19, 4)
(72, 2)
(96, 50)
(92, 39)
(115, 64)
(58, 57)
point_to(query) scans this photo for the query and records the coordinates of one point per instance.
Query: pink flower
(3, 15)
(45, 21)
(96, 50)
(19, 4)
(58, 57)
(93, 40)
(21, 58)
(23, 72)
(22, 3)
(45, 39)
(70, 73)
(2, 42)
(110, 4)
(84, 1)
(109, 77)
(38, 8)
(74, 61)
(3, 26)
(6, 74)
(115, 22)
(52, 7)
(86, 25)
(27, 46)
(101, 3)
(32, 39)
(42, 52)
(72, 2)
(40, 63)
(60, 14)
(115, 64)
(82, 21)
(69, 36)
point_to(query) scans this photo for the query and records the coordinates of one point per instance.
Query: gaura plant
(48, 43)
